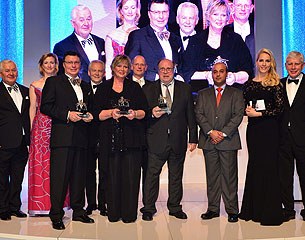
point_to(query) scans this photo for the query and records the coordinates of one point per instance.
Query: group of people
(72, 116)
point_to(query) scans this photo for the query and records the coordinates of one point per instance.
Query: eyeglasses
(72, 63)
(165, 69)
(159, 12)
(240, 6)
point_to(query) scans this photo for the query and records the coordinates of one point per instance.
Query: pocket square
(26, 97)
(103, 53)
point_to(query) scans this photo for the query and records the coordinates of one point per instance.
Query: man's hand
(192, 146)
(73, 116)
(157, 112)
(216, 136)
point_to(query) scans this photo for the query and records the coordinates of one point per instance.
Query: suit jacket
(226, 118)
(144, 42)
(179, 122)
(11, 120)
(71, 43)
(58, 98)
(295, 114)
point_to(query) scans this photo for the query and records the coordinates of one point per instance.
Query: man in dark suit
(90, 47)
(219, 111)
(167, 138)
(292, 144)
(14, 139)
(96, 73)
(63, 97)
(154, 42)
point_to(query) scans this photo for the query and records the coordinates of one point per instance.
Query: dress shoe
(103, 212)
(58, 225)
(5, 216)
(128, 220)
(147, 216)
(83, 218)
(232, 218)
(179, 215)
(18, 214)
(90, 208)
(289, 215)
(302, 213)
(209, 215)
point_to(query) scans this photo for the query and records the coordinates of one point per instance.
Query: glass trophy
(123, 106)
(81, 107)
(162, 103)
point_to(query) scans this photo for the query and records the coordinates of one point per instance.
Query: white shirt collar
(243, 30)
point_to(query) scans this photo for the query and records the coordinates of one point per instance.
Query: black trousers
(91, 185)
(67, 168)
(123, 183)
(290, 152)
(12, 165)
(175, 164)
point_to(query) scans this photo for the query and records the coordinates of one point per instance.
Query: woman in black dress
(264, 98)
(120, 105)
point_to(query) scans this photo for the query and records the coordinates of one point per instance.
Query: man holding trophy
(171, 117)
(64, 99)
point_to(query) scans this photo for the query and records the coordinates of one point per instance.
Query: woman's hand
(251, 112)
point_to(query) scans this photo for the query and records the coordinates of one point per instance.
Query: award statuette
(123, 106)
(81, 107)
(162, 103)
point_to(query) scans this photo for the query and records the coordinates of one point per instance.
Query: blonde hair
(215, 4)
(120, 16)
(118, 59)
(41, 60)
(272, 78)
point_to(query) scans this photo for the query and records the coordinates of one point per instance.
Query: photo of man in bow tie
(89, 46)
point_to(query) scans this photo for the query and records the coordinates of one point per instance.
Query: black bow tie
(14, 87)
(88, 40)
(94, 86)
(296, 81)
(185, 37)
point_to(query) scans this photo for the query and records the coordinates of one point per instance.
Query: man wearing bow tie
(292, 144)
(90, 47)
(14, 139)
(96, 73)
(187, 18)
(154, 42)
(69, 139)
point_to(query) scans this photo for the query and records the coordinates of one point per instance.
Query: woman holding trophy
(120, 105)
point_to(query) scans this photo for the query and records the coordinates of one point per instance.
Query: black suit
(68, 143)
(292, 145)
(145, 42)
(71, 43)
(167, 141)
(93, 155)
(13, 150)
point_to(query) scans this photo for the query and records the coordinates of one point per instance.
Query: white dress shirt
(292, 88)
(242, 30)
(90, 50)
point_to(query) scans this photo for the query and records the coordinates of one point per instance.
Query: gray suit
(221, 158)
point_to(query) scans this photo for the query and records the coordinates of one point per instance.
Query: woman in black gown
(264, 98)
(120, 105)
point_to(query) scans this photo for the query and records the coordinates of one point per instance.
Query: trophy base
(83, 115)
(166, 110)
(123, 112)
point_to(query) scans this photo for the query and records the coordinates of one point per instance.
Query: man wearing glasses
(169, 122)
(89, 46)
(154, 42)
(63, 97)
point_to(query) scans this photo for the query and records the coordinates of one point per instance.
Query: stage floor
(163, 227)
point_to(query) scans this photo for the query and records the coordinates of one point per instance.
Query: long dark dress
(261, 200)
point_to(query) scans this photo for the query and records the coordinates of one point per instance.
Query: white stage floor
(163, 227)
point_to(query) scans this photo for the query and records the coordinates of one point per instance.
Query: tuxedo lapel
(300, 94)
(25, 98)
(154, 43)
(80, 48)
(6, 95)
(69, 89)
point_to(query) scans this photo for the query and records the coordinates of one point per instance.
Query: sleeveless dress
(39, 202)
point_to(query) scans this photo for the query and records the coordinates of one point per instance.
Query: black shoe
(289, 215)
(128, 220)
(58, 225)
(90, 208)
(179, 215)
(103, 212)
(302, 213)
(18, 214)
(5, 216)
(232, 218)
(83, 218)
(209, 215)
(147, 216)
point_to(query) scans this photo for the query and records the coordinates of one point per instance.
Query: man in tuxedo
(167, 138)
(96, 73)
(219, 111)
(154, 42)
(292, 144)
(88, 46)
(187, 18)
(63, 97)
(14, 139)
